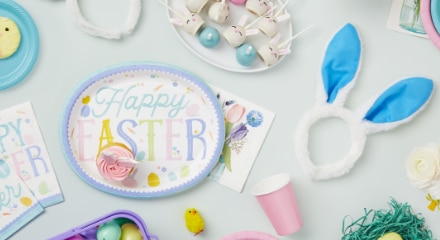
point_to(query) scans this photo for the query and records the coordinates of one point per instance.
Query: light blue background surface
(67, 55)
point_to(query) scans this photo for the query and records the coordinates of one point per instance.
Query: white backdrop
(67, 55)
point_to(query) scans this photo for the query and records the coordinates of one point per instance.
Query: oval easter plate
(170, 120)
(16, 67)
(223, 55)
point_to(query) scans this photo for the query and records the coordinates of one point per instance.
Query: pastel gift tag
(18, 205)
(247, 125)
(23, 147)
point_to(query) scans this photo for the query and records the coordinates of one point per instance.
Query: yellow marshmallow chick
(194, 221)
(390, 236)
(9, 37)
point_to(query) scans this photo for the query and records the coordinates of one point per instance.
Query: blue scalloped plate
(16, 67)
(170, 120)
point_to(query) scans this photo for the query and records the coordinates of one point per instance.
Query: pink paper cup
(276, 197)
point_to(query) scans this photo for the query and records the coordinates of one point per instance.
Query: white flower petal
(423, 165)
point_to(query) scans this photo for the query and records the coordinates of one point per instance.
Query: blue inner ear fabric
(341, 60)
(400, 100)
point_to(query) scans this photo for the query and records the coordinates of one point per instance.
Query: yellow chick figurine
(194, 221)
(9, 37)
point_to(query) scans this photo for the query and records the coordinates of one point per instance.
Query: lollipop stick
(295, 36)
(281, 9)
(264, 15)
(172, 10)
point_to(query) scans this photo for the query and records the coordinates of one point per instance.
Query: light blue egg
(209, 37)
(246, 54)
(172, 176)
(4, 169)
(109, 231)
(85, 111)
(140, 155)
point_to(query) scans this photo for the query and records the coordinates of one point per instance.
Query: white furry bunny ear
(396, 105)
(109, 33)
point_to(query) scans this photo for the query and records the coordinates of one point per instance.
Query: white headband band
(109, 33)
(396, 105)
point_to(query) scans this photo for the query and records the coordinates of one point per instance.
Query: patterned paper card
(18, 205)
(23, 147)
(247, 125)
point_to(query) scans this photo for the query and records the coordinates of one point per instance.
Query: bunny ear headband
(109, 33)
(397, 104)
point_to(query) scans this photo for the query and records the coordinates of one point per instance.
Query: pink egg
(130, 231)
(192, 110)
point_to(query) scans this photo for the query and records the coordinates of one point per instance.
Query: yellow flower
(423, 165)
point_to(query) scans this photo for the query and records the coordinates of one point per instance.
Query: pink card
(247, 125)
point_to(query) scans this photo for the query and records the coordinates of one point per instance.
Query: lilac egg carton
(87, 227)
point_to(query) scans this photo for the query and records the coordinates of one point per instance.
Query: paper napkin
(23, 147)
(18, 205)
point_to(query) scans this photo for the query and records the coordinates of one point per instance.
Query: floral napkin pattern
(247, 125)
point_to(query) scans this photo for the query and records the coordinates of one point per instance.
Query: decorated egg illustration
(140, 155)
(26, 201)
(184, 172)
(43, 188)
(172, 176)
(153, 180)
(85, 110)
(4, 169)
(10, 37)
(192, 110)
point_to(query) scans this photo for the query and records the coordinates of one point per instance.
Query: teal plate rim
(16, 67)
